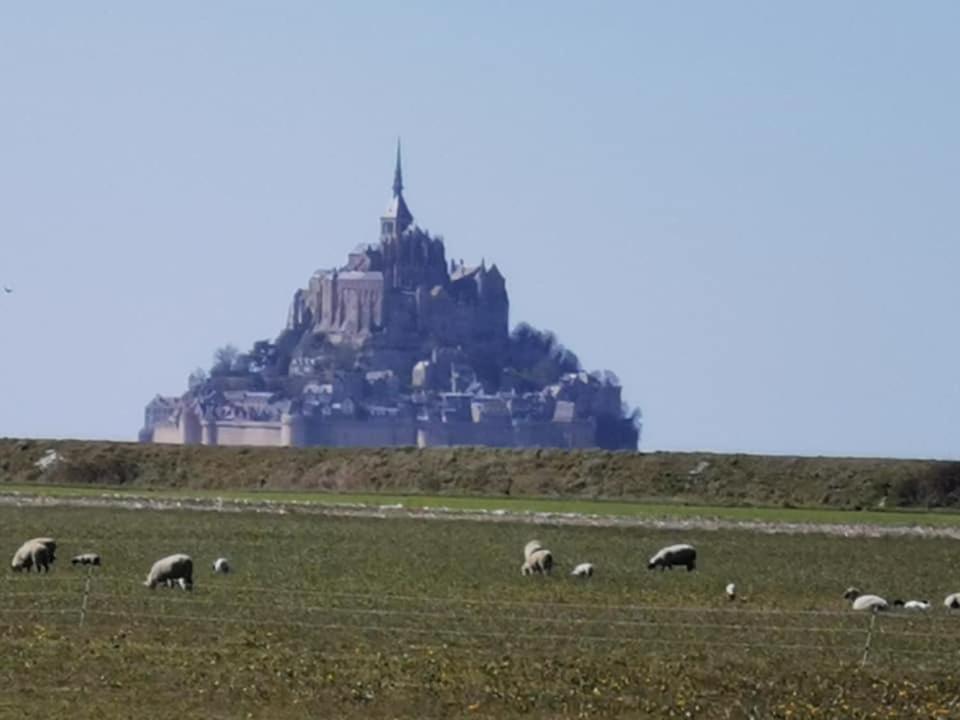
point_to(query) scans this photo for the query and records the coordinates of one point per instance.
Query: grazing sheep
(583, 570)
(174, 569)
(952, 601)
(731, 591)
(873, 603)
(674, 555)
(531, 547)
(49, 543)
(86, 559)
(912, 604)
(32, 554)
(539, 562)
(220, 565)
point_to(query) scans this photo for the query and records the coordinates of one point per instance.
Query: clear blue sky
(748, 211)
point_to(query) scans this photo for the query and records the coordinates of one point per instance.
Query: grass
(661, 510)
(380, 618)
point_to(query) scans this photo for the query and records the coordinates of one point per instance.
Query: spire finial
(398, 174)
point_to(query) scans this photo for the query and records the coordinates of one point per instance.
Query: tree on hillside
(537, 358)
(223, 358)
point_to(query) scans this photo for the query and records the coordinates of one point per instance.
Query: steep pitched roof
(397, 209)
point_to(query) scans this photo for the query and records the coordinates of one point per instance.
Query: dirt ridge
(701, 478)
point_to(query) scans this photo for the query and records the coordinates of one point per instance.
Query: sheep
(952, 601)
(539, 562)
(531, 547)
(874, 603)
(49, 543)
(731, 591)
(912, 604)
(32, 554)
(220, 565)
(86, 559)
(583, 570)
(172, 569)
(674, 555)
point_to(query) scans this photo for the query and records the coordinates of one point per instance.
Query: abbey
(399, 346)
(400, 293)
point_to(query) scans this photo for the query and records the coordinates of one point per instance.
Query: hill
(399, 346)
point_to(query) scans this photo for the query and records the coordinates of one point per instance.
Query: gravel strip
(359, 510)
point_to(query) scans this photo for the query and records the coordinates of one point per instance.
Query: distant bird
(731, 591)
(7, 290)
(912, 604)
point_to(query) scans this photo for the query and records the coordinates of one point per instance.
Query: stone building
(399, 346)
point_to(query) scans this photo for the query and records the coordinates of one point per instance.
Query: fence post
(866, 646)
(86, 594)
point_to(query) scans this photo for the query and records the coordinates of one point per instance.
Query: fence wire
(669, 629)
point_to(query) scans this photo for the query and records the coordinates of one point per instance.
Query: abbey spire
(398, 217)
(398, 174)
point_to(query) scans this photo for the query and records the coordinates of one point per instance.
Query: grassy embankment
(339, 617)
(734, 487)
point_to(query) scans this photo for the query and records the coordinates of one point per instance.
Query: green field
(342, 617)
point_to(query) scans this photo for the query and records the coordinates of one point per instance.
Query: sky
(746, 210)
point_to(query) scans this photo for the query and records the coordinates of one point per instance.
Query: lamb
(874, 603)
(539, 562)
(32, 554)
(952, 601)
(220, 565)
(674, 555)
(172, 569)
(912, 604)
(583, 570)
(86, 559)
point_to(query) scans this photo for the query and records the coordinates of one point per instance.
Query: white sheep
(731, 591)
(952, 601)
(220, 565)
(174, 569)
(912, 604)
(86, 559)
(874, 603)
(674, 555)
(49, 543)
(32, 554)
(583, 570)
(539, 562)
(531, 547)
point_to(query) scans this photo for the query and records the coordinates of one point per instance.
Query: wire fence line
(852, 649)
(567, 621)
(869, 637)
